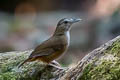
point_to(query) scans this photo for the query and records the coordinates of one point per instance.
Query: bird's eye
(66, 22)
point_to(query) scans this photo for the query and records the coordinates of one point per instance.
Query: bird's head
(65, 24)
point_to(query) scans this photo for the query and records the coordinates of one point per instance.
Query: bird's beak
(76, 20)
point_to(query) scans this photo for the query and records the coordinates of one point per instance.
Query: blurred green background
(24, 24)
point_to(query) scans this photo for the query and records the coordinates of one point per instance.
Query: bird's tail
(27, 60)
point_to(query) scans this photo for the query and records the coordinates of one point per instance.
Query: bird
(56, 45)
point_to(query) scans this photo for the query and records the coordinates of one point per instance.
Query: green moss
(9, 70)
(6, 68)
(29, 71)
(105, 68)
(7, 76)
(114, 49)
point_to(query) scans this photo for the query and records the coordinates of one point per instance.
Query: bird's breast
(66, 39)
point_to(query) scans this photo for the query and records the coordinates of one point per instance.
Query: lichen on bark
(106, 67)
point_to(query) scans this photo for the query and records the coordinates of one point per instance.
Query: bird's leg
(55, 64)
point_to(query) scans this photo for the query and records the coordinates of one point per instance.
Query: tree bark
(102, 63)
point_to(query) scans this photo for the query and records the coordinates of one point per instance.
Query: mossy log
(102, 63)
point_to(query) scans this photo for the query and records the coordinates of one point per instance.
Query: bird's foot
(55, 64)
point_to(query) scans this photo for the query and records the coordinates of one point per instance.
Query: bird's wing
(43, 52)
(46, 48)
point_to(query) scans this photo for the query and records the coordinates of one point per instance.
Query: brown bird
(56, 45)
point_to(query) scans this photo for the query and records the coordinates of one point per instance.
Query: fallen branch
(102, 63)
